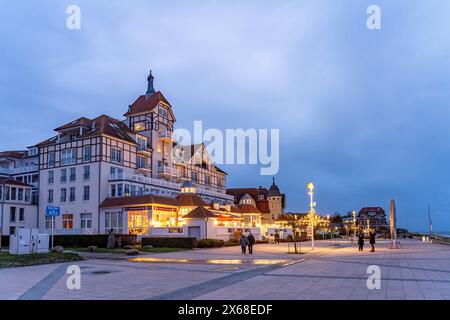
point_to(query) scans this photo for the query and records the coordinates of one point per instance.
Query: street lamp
(312, 211)
(354, 225)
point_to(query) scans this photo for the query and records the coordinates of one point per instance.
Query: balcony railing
(166, 135)
(14, 171)
(69, 231)
(145, 180)
(168, 171)
(168, 185)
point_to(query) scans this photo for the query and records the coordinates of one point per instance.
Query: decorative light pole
(312, 211)
(354, 225)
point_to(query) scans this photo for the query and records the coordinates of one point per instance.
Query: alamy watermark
(73, 21)
(374, 19)
(73, 281)
(234, 146)
(374, 279)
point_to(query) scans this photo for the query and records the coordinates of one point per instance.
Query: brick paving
(416, 271)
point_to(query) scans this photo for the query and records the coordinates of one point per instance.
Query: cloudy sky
(362, 113)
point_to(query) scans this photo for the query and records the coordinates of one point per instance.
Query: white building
(89, 160)
(16, 206)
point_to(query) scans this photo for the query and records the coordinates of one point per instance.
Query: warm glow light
(310, 186)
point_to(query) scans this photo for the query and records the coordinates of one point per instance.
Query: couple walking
(371, 241)
(248, 241)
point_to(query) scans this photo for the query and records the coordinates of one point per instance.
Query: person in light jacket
(244, 244)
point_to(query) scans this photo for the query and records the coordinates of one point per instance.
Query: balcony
(168, 172)
(166, 136)
(21, 170)
(144, 180)
(215, 194)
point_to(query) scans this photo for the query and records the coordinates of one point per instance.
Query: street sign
(52, 211)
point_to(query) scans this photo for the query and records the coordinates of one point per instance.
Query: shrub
(170, 242)
(231, 243)
(210, 243)
(98, 240)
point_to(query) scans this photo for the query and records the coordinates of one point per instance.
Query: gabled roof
(248, 208)
(7, 181)
(146, 103)
(199, 213)
(103, 124)
(238, 193)
(14, 154)
(137, 201)
(378, 210)
(190, 150)
(189, 200)
(83, 122)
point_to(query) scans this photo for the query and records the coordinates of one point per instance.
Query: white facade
(16, 208)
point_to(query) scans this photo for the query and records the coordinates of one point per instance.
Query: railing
(13, 171)
(69, 231)
(165, 135)
(168, 170)
(144, 180)
(212, 193)
(166, 184)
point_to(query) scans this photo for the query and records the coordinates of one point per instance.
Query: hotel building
(130, 175)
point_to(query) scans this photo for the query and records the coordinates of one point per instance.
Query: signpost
(52, 212)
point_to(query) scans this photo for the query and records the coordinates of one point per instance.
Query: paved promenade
(416, 271)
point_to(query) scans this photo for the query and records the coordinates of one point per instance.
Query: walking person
(372, 240)
(277, 238)
(361, 241)
(244, 243)
(251, 242)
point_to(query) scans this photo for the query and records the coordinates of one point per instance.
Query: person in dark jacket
(244, 243)
(372, 240)
(361, 241)
(277, 237)
(251, 242)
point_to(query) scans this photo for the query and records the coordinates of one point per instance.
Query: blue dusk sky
(362, 113)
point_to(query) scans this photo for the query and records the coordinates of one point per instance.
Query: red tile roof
(138, 200)
(199, 213)
(146, 103)
(7, 181)
(238, 193)
(248, 208)
(189, 200)
(84, 122)
(102, 125)
(14, 154)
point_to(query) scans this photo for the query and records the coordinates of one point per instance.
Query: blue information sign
(52, 212)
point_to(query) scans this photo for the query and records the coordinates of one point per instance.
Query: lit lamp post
(354, 225)
(312, 211)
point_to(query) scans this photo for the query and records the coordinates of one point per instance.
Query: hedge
(99, 240)
(170, 242)
(210, 243)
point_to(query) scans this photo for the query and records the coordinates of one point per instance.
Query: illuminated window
(67, 221)
(139, 126)
(138, 222)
